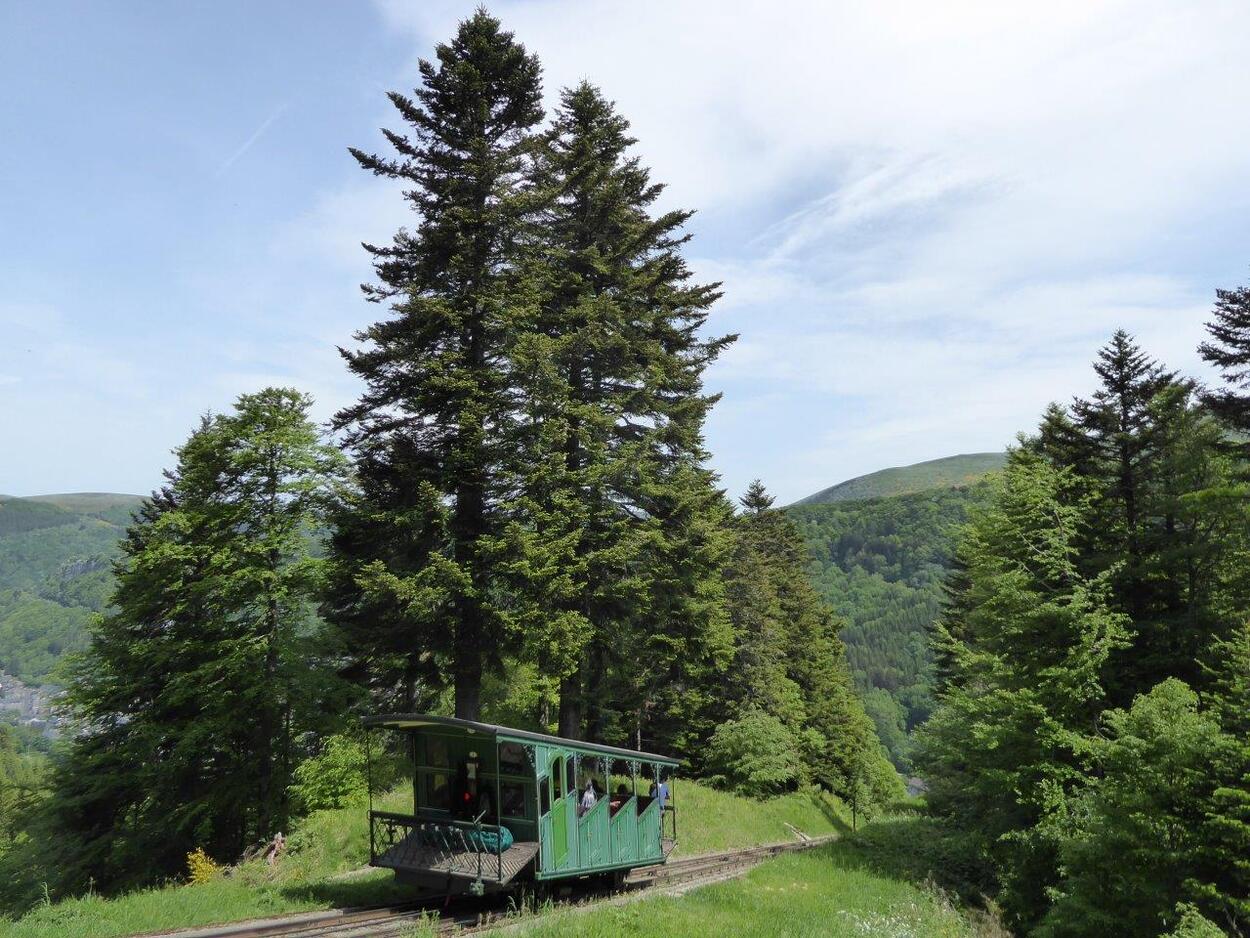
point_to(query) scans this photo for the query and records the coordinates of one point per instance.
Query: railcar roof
(413, 721)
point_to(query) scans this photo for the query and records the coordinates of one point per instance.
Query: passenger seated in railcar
(622, 795)
(588, 798)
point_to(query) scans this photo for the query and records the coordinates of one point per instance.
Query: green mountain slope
(55, 572)
(880, 563)
(947, 472)
(108, 506)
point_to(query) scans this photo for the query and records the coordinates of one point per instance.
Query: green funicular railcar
(494, 807)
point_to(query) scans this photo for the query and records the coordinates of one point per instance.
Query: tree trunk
(571, 705)
(592, 694)
(267, 718)
(468, 684)
(468, 526)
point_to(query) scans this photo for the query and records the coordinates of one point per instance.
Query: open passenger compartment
(493, 805)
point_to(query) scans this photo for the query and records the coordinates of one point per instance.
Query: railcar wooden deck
(410, 854)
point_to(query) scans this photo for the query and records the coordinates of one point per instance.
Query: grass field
(835, 891)
(330, 844)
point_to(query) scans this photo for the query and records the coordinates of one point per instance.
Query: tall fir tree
(1145, 450)
(1116, 431)
(1026, 672)
(615, 409)
(1228, 349)
(203, 674)
(434, 434)
(789, 661)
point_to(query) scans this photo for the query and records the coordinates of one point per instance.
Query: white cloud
(927, 216)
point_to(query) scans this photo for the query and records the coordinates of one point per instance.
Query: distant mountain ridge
(947, 472)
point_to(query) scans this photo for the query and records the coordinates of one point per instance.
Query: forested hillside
(881, 564)
(55, 571)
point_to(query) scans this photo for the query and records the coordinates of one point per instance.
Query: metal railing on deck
(464, 848)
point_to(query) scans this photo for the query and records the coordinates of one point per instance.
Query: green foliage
(419, 550)
(23, 782)
(755, 755)
(1142, 812)
(19, 515)
(947, 472)
(339, 774)
(1092, 661)
(36, 632)
(55, 558)
(1193, 924)
(625, 550)
(789, 661)
(30, 560)
(205, 670)
(1030, 645)
(1160, 522)
(1223, 882)
(333, 778)
(889, 718)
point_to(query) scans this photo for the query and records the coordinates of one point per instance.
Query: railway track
(395, 921)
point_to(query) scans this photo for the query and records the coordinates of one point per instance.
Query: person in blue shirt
(660, 793)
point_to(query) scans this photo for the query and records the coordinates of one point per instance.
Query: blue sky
(927, 216)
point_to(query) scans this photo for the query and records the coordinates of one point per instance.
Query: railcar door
(559, 814)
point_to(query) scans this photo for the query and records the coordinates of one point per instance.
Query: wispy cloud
(250, 141)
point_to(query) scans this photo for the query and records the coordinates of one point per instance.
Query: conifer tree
(1145, 451)
(614, 407)
(434, 434)
(1228, 349)
(789, 661)
(1117, 431)
(203, 673)
(1027, 671)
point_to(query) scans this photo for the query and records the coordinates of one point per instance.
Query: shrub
(338, 775)
(1194, 925)
(332, 779)
(201, 867)
(755, 755)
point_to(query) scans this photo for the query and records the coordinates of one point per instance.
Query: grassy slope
(846, 889)
(332, 843)
(947, 472)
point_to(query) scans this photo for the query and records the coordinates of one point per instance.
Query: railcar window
(436, 752)
(512, 759)
(512, 795)
(557, 780)
(544, 795)
(437, 791)
(570, 783)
